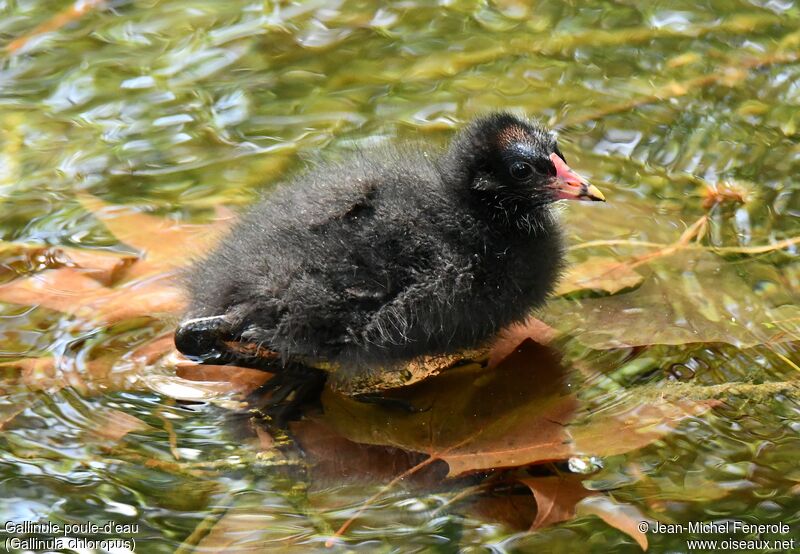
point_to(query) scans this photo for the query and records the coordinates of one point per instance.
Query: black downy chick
(394, 254)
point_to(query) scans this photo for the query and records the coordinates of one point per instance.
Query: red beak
(571, 186)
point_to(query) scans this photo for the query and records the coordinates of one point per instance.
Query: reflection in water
(177, 108)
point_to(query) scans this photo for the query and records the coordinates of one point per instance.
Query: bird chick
(393, 254)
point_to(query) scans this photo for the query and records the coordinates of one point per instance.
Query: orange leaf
(37, 373)
(114, 424)
(57, 289)
(515, 511)
(102, 373)
(633, 426)
(153, 350)
(476, 418)
(599, 275)
(240, 379)
(73, 291)
(152, 298)
(336, 460)
(624, 517)
(104, 266)
(164, 243)
(556, 498)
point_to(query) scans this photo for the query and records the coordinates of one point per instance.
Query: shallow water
(175, 108)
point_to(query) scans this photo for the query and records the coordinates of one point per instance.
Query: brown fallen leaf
(165, 244)
(516, 414)
(72, 291)
(57, 289)
(36, 373)
(690, 297)
(103, 288)
(105, 373)
(551, 499)
(48, 374)
(510, 416)
(152, 350)
(599, 275)
(334, 460)
(113, 424)
(155, 298)
(514, 511)
(106, 267)
(238, 379)
(79, 284)
(632, 425)
(556, 497)
(86, 284)
(102, 265)
(624, 517)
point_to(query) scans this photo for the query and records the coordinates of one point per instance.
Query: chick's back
(359, 262)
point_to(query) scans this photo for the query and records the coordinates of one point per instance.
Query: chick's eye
(520, 170)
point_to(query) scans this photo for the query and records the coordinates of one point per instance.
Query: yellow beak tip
(593, 193)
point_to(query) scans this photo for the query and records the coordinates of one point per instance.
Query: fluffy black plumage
(395, 253)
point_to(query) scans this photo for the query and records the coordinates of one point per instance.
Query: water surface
(176, 108)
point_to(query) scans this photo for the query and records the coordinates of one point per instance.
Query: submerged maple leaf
(101, 265)
(518, 413)
(625, 517)
(99, 288)
(163, 244)
(556, 497)
(102, 373)
(690, 298)
(74, 292)
(599, 276)
(104, 288)
(511, 407)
